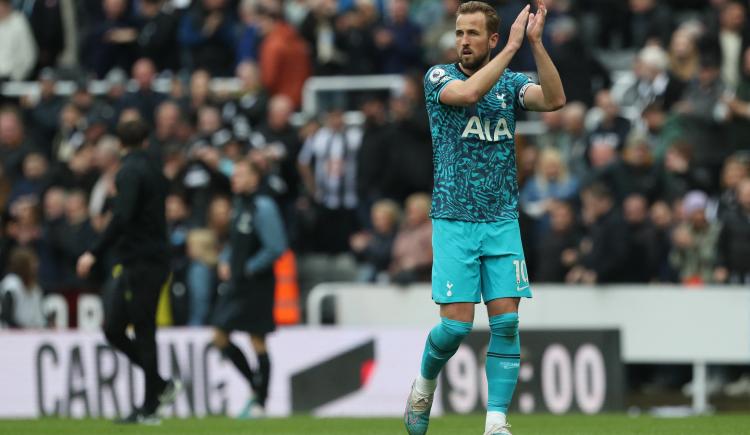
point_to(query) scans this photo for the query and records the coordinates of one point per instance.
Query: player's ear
(494, 38)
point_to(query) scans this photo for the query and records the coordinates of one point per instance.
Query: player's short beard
(477, 63)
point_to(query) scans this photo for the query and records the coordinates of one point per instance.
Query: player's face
(473, 41)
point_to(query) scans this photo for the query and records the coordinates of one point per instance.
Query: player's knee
(504, 325)
(456, 328)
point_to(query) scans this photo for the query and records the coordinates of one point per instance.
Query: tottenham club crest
(436, 75)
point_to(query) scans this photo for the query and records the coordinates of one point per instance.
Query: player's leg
(116, 317)
(258, 342)
(234, 354)
(145, 282)
(503, 361)
(455, 286)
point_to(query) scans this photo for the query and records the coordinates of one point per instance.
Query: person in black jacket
(256, 240)
(734, 240)
(138, 234)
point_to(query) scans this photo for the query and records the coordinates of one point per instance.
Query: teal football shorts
(475, 261)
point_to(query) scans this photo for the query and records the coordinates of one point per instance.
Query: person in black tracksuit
(257, 239)
(138, 235)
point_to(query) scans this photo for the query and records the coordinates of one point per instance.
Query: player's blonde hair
(490, 16)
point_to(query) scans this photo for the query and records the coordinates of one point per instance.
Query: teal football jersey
(474, 149)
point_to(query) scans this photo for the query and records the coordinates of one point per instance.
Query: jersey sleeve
(519, 84)
(435, 81)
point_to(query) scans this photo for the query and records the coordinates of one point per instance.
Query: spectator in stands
(733, 264)
(107, 161)
(249, 39)
(681, 174)
(635, 172)
(550, 184)
(144, 97)
(44, 113)
(284, 57)
(557, 248)
(207, 31)
(34, 180)
(437, 31)
(73, 237)
(24, 228)
(157, 39)
(20, 293)
(53, 31)
(14, 144)
(166, 129)
(736, 168)
(660, 216)
(732, 37)
(70, 137)
(111, 42)
(319, 30)
(641, 261)
(653, 82)
(373, 248)
(694, 242)
(247, 109)
(739, 108)
(201, 180)
(412, 249)
(354, 37)
(328, 168)
(553, 127)
(218, 219)
(613, 128)
(582, 74)
(649, 22)
(373, 156)
(18, 51)
(50, 270)
(572, 143)
(604, 248)
(398, 40)
(203, 253)
(684, 57)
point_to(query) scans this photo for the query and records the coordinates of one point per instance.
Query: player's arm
(471, 90)
(549, 95)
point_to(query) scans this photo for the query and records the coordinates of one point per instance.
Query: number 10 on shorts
(522, 275)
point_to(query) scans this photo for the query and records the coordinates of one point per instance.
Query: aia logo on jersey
(481, 129)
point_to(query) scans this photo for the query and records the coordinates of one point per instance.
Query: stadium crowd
(642, 177)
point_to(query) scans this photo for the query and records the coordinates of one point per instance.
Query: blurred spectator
(328, 167)
(247, 110)
(200, 94)
(13, 143)
(572, 143)
(653, 83)
(582, 74)
(111, 42)
(649, 21)
(70, 137)
(694, 242)
(684, 56)
(275, 148)
(603, 250)
(613, 128)
(398, 40)
(218, 219)
(319, 30)
(18, 51)
(44, 112)
(34, 179)
(50, 270)
(249, 39)
(680, 173)
(551, 183)
(553, 126)
(736, 168)
(641, 262)
(178, 225)
(731, 32)
(167, 120)
(72, 238)
(739, 108)
(284, 57)
(107, 161)
(144, 98)
(557, 251)
(20, 293)
(200, 180)
(354, 37)
(157, 39)
(733, 264)
(635, 172)
(207, 32)
(437, 31)
(373, 156)
(661, 218)
(373, 248)
(703, 115)
(412, 249)
(204, 254)
(54, 26)
(24, 228)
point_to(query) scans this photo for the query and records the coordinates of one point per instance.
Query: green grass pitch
(730, 424)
